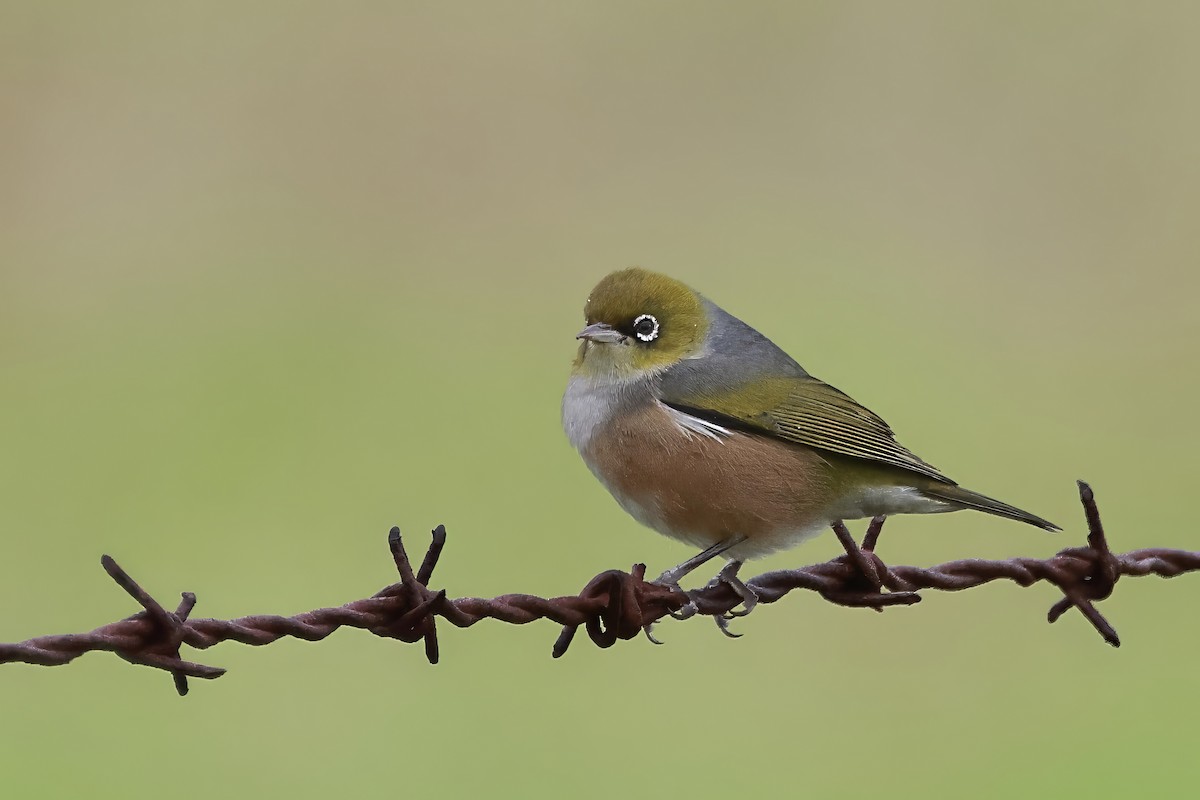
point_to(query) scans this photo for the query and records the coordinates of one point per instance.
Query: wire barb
(420, 622)
(1099, 582)
(160, 646)
(614, 605)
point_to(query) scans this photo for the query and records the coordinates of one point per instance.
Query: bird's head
(639, 323)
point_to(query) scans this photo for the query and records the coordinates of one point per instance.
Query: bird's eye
(645, 328)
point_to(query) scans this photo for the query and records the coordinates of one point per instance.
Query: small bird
(706, 431)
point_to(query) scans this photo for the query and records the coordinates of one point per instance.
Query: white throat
(589, 403)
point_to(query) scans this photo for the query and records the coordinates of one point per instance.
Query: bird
(706, 431)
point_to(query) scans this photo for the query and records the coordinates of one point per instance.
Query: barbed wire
(614, 605)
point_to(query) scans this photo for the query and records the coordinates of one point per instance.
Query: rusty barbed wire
(614, 605)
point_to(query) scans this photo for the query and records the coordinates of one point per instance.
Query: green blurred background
(276, 277)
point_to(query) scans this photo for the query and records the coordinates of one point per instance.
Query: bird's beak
(600, 332)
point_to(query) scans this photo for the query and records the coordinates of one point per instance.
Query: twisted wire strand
(614, 605)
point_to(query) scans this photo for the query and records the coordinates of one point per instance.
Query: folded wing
(799, 409)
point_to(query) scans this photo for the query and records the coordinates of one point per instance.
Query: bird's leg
(671, 577)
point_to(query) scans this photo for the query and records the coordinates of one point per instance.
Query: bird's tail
(965, 498)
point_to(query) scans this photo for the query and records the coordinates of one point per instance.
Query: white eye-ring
(645, 328)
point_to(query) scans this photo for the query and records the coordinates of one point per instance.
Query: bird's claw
(749, 603)
(722, 621)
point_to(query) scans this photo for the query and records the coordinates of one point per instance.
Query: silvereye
(706, 431)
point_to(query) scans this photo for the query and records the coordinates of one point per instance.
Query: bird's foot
(670, 580)
(729, 576)
(689, 609)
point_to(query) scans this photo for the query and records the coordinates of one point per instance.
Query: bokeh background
(276, 277)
